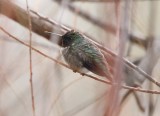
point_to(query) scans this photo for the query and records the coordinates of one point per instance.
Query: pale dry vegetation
(36, 81)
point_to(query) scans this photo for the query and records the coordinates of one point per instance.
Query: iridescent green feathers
(80, 53)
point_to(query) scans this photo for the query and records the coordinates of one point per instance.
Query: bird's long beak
(53, 33)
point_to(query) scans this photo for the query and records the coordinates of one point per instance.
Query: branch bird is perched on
(80, 53)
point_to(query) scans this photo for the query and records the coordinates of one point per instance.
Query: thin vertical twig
(30, 58)
(121, 34)
(153, 11)
(114, 91)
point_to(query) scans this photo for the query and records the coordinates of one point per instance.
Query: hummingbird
(82, 54)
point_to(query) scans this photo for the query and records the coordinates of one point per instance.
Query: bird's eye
(65, 41)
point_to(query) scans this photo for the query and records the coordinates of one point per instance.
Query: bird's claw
(82, 74)
(74, 71)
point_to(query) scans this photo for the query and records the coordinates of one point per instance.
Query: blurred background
(37, 84)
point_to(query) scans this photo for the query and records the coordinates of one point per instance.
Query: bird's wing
(93, 59)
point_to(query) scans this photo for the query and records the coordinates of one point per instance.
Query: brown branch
(62, 64)
(138, 101)
(126, 95)
(52, 22)
(30, 58)
(139, 41)
(19, 15)
(107, 27)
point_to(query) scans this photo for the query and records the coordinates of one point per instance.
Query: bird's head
(68, 38)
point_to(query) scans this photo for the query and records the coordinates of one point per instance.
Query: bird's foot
(74, 71)
(82, 74)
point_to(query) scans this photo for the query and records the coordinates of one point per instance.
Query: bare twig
(83, 106)
(63, 27)
(125, 97)
(62, 64)
(136, 97)
(59, 94)
(16, 94)
(139, 41)
(141, 107)
(21, 16)
(107, 27)
(30, 58)
(113, 108)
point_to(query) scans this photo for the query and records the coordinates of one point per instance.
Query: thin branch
(138, 101)
(59, 94)
(30, 58)
(52, 22)
(124, 98)
(84, 105)
(21, 16)
(139, 41)
(107, 27)
(113, 108)
(62, 64)
(126, 95)
(16, 94)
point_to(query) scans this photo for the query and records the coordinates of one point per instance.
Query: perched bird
(80, 53)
